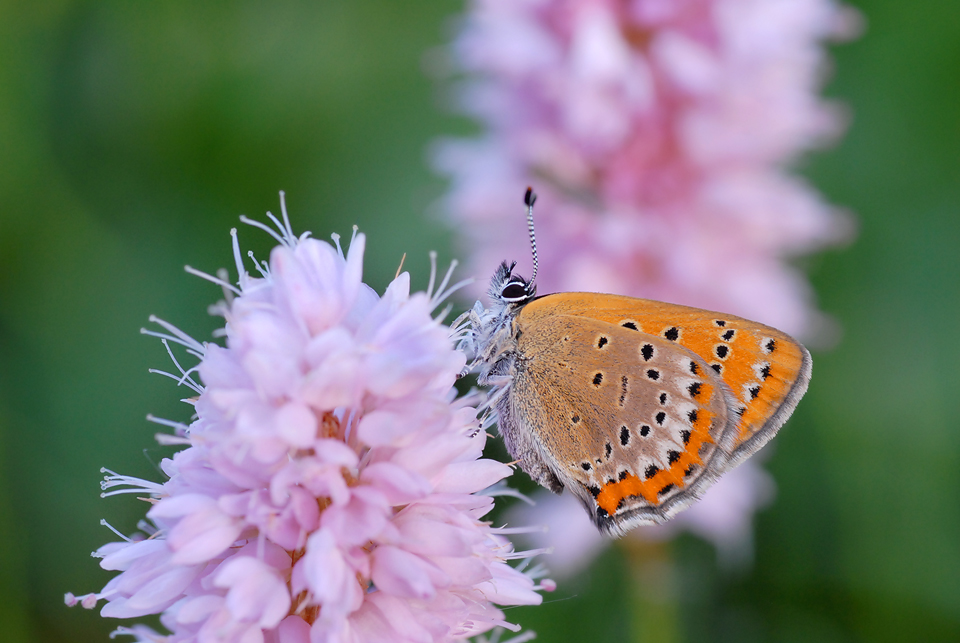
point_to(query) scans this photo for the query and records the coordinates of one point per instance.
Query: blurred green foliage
(133, 134)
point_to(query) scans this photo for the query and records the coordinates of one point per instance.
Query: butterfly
(635, 406)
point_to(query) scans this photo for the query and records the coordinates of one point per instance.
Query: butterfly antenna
(529, 199)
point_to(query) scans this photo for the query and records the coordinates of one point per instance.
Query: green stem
(655, 612)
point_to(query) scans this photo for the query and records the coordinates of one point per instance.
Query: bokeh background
(132, 135)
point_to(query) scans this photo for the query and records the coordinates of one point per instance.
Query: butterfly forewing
(766, 370)
(633, 424)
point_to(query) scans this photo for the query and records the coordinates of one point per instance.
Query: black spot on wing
(722, 351)
(661, 416)
(586, 466)
(647, 351)
(624, 436)
(685, 435)
(602, 341)
(597, 379)
(644, 431)
(629, 324)
(651, 471)
(728, 335)
(717, 367)
(694, 389)
(665, 489)
(653, 374)
(672, 333)
(754, 392)
(663, 398)
(765, 371)
(673, 456)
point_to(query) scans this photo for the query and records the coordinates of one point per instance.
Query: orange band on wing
(613, 493)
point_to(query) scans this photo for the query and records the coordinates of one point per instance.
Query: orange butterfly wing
(767, 370)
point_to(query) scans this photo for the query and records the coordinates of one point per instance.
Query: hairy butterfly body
(634, 406)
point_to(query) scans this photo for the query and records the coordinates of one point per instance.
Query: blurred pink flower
(658, 135)
(331, 488)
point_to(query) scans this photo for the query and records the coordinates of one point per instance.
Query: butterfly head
(486, 332)
(507, 287)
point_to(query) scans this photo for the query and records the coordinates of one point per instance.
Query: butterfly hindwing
(634, 425)
(766, 370)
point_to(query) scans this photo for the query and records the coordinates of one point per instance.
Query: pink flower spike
(628, 120)
(330, 485)
(661, 137)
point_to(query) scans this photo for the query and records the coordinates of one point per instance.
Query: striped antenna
(529, 199)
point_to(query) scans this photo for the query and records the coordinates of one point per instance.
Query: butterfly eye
(514, 291)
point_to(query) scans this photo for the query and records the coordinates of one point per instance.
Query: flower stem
(655, 612)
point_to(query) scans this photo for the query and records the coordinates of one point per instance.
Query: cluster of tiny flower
(658, 135)
(332, 486)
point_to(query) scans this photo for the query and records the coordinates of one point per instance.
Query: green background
(132, 135)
